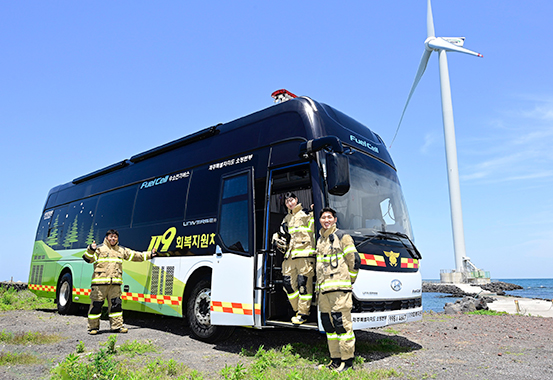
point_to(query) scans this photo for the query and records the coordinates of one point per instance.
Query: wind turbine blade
(429, 22)
(441, 44)
(420, 71)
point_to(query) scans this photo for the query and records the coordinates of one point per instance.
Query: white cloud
(518, 147)
(431, 139)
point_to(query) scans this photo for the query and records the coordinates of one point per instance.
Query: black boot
(334, 364)
(345, 365)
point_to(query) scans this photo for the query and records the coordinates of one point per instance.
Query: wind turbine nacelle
(457, 41)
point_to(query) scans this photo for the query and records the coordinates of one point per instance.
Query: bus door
(232, 283)
(295, 179)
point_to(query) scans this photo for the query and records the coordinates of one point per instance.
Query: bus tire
(199, 315)
(64, 295)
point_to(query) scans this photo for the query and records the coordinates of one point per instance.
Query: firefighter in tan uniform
(298, 267)
(337, 266)
(107, 279)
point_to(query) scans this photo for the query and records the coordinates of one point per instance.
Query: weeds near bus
(106, 364)
(292, 361)
(296, 361)
(11, 299)
(29, 338)
(487, 312)
(8, 358)
(137, 348)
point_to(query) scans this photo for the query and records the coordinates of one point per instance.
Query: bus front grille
(377, 306)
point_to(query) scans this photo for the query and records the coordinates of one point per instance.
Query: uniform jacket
(301, 229)
(108, 262)
(337, 261)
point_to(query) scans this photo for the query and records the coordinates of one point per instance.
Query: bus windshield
(374, 202)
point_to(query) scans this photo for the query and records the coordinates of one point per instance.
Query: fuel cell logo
(396, 285)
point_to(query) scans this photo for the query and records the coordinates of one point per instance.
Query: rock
(16, 285)
(465, 305)
(499, 286)
(428, 287)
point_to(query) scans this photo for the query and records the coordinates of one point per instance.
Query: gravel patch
(441, 347)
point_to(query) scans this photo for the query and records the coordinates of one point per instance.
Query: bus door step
(303, 326)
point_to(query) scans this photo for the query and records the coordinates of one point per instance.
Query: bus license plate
(397, 318)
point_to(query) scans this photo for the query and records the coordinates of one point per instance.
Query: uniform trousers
(335, 309)
(100, 293)
(298, 282)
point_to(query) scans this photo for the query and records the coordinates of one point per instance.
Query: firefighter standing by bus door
(107, 279)
(337, 266)
(298, 266)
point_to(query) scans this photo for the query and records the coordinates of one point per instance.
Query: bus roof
(301, 118)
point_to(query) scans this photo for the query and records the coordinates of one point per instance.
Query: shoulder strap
(339, 233)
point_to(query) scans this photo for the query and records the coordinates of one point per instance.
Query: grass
(107, 363)
(8, 358)
(487, 312)
(29, 338)
(137, 348)
(11, 299)
(292, 362)
(390, 330)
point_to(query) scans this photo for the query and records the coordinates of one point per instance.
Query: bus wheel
(64, 295)
(199, 315)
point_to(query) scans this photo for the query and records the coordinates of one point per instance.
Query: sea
(532, 288)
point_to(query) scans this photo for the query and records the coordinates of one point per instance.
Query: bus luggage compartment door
(232, 290)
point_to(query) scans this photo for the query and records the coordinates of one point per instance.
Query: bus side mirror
(337, 170)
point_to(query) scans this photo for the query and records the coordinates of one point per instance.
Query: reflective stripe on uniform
(346, 336)
(110, 260)
(291, 296)
(349, 249)
(88, 255)
(329, 258)
(107, 280)
(331, 336)
(94, 316)
(306, 297)
(115, 315)
(308, 251)
(293, 230)
(329, 284)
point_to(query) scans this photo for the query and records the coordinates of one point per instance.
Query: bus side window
(156, 203)
(115, 209)
(42, 231)
(234, 223)
(79, 231)
(55, 230)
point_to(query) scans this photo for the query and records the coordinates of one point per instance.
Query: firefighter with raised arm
(297, 241)
(107, 279)
(337, 266)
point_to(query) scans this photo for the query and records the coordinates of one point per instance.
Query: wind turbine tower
(442, 45)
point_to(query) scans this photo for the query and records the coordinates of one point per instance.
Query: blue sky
(86, 84)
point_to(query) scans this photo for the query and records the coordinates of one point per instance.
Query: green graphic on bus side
(47, 265)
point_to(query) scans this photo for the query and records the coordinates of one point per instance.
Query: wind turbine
(442, 45)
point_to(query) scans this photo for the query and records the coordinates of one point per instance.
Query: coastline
(495, 298)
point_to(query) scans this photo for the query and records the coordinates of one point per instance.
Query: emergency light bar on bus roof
(282, 95)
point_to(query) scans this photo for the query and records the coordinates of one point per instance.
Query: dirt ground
(442, 347)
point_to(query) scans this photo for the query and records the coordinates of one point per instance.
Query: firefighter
(296, 242)
(337, 266)
(107, 279)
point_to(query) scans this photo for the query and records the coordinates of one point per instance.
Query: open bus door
(232, 292)
(295, 179)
